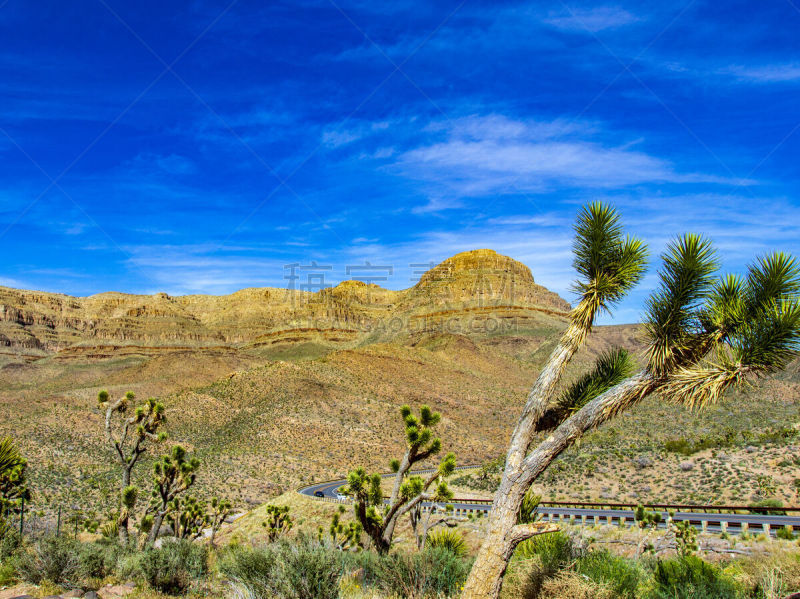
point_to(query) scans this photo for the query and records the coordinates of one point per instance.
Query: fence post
(22, 517)
(58, 522)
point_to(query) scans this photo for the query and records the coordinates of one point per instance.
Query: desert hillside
(276, 388)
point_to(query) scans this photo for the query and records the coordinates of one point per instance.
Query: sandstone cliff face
(479, 284)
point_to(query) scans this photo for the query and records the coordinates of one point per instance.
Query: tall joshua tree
(379, 518)
(704, 334)
(173, 475)
(129, 437)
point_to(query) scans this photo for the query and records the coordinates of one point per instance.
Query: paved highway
(734, 522)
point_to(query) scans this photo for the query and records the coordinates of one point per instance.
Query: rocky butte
(475, 290)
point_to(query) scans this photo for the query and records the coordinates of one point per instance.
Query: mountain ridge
(476, 282)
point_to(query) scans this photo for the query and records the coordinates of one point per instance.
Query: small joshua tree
(439, 514)
(173, 475)
(278, 521)
(344, 537)
(219, 510)
(379, 519)
(129, 437)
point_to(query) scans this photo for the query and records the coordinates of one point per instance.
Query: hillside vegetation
(269, 402)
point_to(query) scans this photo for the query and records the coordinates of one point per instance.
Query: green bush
(171, 568)
(51, 558)
(552, 552)
(768, 503)
(9, 541)
(691, 578)
(302, 570)
(621, 574)
(255, 570)
(450, 540)
(434, 572)
(680, 446)
(786, 533)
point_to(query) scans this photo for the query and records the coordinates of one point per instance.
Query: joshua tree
(173, 475)
(215, 517)
(278, 521)
(129, 438)
(344, 536)
(439, 514)
(704, 334)
(379, 519)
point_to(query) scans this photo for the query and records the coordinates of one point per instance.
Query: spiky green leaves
(608, 263)
(419, 433)
(611, 368)
(364, 487)
(448, 465)
(527, 509)
(10, 456)
(673, 317)
(129, 495)
(278, 521)
(750, 327)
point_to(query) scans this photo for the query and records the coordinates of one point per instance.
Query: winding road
(711, 522)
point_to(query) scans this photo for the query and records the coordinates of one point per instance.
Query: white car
(341, 497)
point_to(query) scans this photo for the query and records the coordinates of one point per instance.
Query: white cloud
(493, 154)
(771, 73)
(592, 20)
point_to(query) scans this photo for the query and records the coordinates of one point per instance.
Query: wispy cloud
(768, 73)
(493, 154)
(592, 19)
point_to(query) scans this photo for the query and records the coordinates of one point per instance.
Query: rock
(643, 461)
(645, 488)
(751, 449)
(73, 593)
(686, 466)
(90, 595)
(116, 591)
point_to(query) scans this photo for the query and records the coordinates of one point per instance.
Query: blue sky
(200, 147)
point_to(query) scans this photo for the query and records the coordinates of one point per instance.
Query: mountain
(480, 283)
(274, 388)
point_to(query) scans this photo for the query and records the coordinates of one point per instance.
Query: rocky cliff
(474, 291)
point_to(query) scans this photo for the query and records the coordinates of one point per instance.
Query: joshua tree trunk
(158, 521)
(124, 515)
(504, 534)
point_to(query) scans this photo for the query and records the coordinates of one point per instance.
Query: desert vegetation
(149, 519)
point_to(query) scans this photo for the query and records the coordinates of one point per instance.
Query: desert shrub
(550, 553)
(570, 585)
(618, 573)
(100, 559)
(768, 503)
(450, 540)
(8, 572)
(250, 569)
(171, 567)
(302, 570)
(51, 558)
(786, 533)
(691, 578)
(310, 570)
(434, 572)
(680, 446)
(9, 541)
